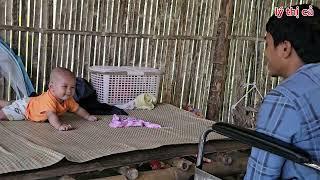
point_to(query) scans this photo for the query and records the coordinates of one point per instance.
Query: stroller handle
(258, 140)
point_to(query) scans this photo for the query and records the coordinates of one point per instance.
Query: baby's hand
(65, 127)
(91, 118)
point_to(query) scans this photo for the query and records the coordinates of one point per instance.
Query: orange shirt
(38, 106)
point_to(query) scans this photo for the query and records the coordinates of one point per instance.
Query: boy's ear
(287, 49)
(50, 85)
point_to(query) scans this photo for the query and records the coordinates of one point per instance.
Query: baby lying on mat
(49, 105)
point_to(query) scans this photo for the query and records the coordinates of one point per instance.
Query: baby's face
(63, 87)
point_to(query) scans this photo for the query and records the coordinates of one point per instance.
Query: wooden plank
(122, 159)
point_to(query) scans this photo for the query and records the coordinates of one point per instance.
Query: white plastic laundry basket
(119, 85)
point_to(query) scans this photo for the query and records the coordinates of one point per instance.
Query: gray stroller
(255, 139)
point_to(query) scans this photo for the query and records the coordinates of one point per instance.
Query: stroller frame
(255, 139)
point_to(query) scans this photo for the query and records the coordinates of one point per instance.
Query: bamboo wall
(176, 36)
(246, 59)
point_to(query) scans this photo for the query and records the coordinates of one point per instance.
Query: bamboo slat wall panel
(175, 36)
(246, 63)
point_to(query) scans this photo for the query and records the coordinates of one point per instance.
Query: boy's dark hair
(303, 32)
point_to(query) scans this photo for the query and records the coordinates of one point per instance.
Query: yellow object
(145, 101)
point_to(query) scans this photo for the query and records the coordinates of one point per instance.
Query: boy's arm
(84, 114)
(278, 118)
(54, 121)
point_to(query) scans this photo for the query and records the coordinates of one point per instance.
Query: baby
(49, 105)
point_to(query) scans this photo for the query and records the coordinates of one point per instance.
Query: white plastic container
(119, 85)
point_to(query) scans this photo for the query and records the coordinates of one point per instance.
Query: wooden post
(220, 57)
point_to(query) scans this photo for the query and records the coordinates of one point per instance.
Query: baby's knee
(4, 103)
(3, 117)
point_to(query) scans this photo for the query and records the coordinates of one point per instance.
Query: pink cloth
(118, 122)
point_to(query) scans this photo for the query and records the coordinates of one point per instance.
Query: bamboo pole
(85, 26)
(68, 36)
(20, 24)
(220, 57)
(104, 57)
(74, 22)
(188, 57)
(9, 20)
(39, 50)
(115, 56)
(184, 60)
(136, 39)
(44, 43)
(162, 65)
(79, 40)
(53, 45)
(110, 30)
(87, 61)
(206, 61)
(149, 32)
(199, 72)
(96, 37)
(233, 47)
